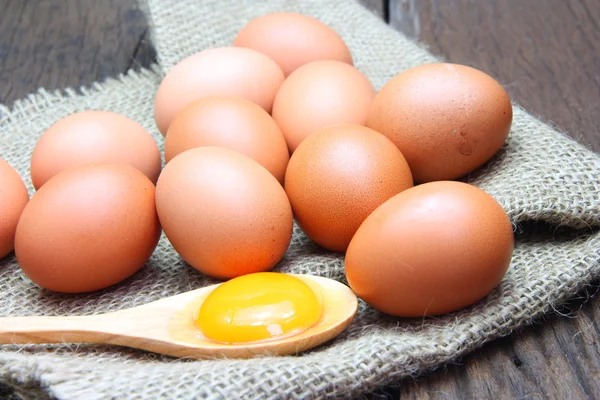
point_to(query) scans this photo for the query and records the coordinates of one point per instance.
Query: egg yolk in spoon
(258, 307)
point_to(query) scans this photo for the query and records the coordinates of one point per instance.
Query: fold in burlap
(540, 175)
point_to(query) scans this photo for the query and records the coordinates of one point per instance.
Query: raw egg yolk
(257, 307)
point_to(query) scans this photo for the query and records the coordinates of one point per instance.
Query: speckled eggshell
(231, 122)
(338, 176)
(13, 199)
(293, 40)
(319, 94)
(223, 212)
(432, 249)
(447, 119)
(94, 136)
(225, 71)
(87, 228)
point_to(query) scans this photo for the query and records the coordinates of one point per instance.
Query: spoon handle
(22, 330)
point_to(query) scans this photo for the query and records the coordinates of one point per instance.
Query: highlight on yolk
(257, 307)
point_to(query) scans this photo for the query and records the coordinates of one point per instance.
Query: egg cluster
(278, 126)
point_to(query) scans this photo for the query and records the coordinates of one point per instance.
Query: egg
(13, 199)
(293, 40)
(260, 306)
(94, 136)
(447, 119)
(234, 123)
(87, 228)
(225, 71)
(338, 176)
(319, 94)
(224, 213)
(432, 249)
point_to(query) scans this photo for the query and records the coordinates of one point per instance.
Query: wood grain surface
(545, 52)
(62, 43)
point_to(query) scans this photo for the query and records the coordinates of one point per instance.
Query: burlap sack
(540, 175)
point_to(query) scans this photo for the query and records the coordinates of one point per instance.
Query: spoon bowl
(167, 326)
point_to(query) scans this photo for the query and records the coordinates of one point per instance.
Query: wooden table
(545, 52)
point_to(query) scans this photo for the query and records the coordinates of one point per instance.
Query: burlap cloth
(540, 175)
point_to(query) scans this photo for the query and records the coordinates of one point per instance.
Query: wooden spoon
(166, 326)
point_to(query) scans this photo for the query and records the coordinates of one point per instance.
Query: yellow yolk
(257, 307)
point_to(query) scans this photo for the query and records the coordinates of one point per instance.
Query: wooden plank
(378, 7)
(6, 392)
(61, 43)
(547, 55)
(405, 17)
(556, 358)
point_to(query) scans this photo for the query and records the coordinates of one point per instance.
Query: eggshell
(447, 119)
(430, 250)
(234, 123)
(223, 212)
(293, 40)
(338, 176)
(88, 228)
(94, 136)
(319, 94)
(13, 199)
(226, 71)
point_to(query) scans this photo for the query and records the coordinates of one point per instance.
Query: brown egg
(226, 71)
(223, 212)
(94, 136)
(319, 94)
(13, 199)
(293, 40)
(231, 122)
(447, 119)
(430, 250)
(88, 228)
(338, 176)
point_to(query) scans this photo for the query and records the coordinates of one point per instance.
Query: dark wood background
(545, 52)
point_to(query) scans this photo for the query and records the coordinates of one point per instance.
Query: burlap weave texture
(540, 175)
